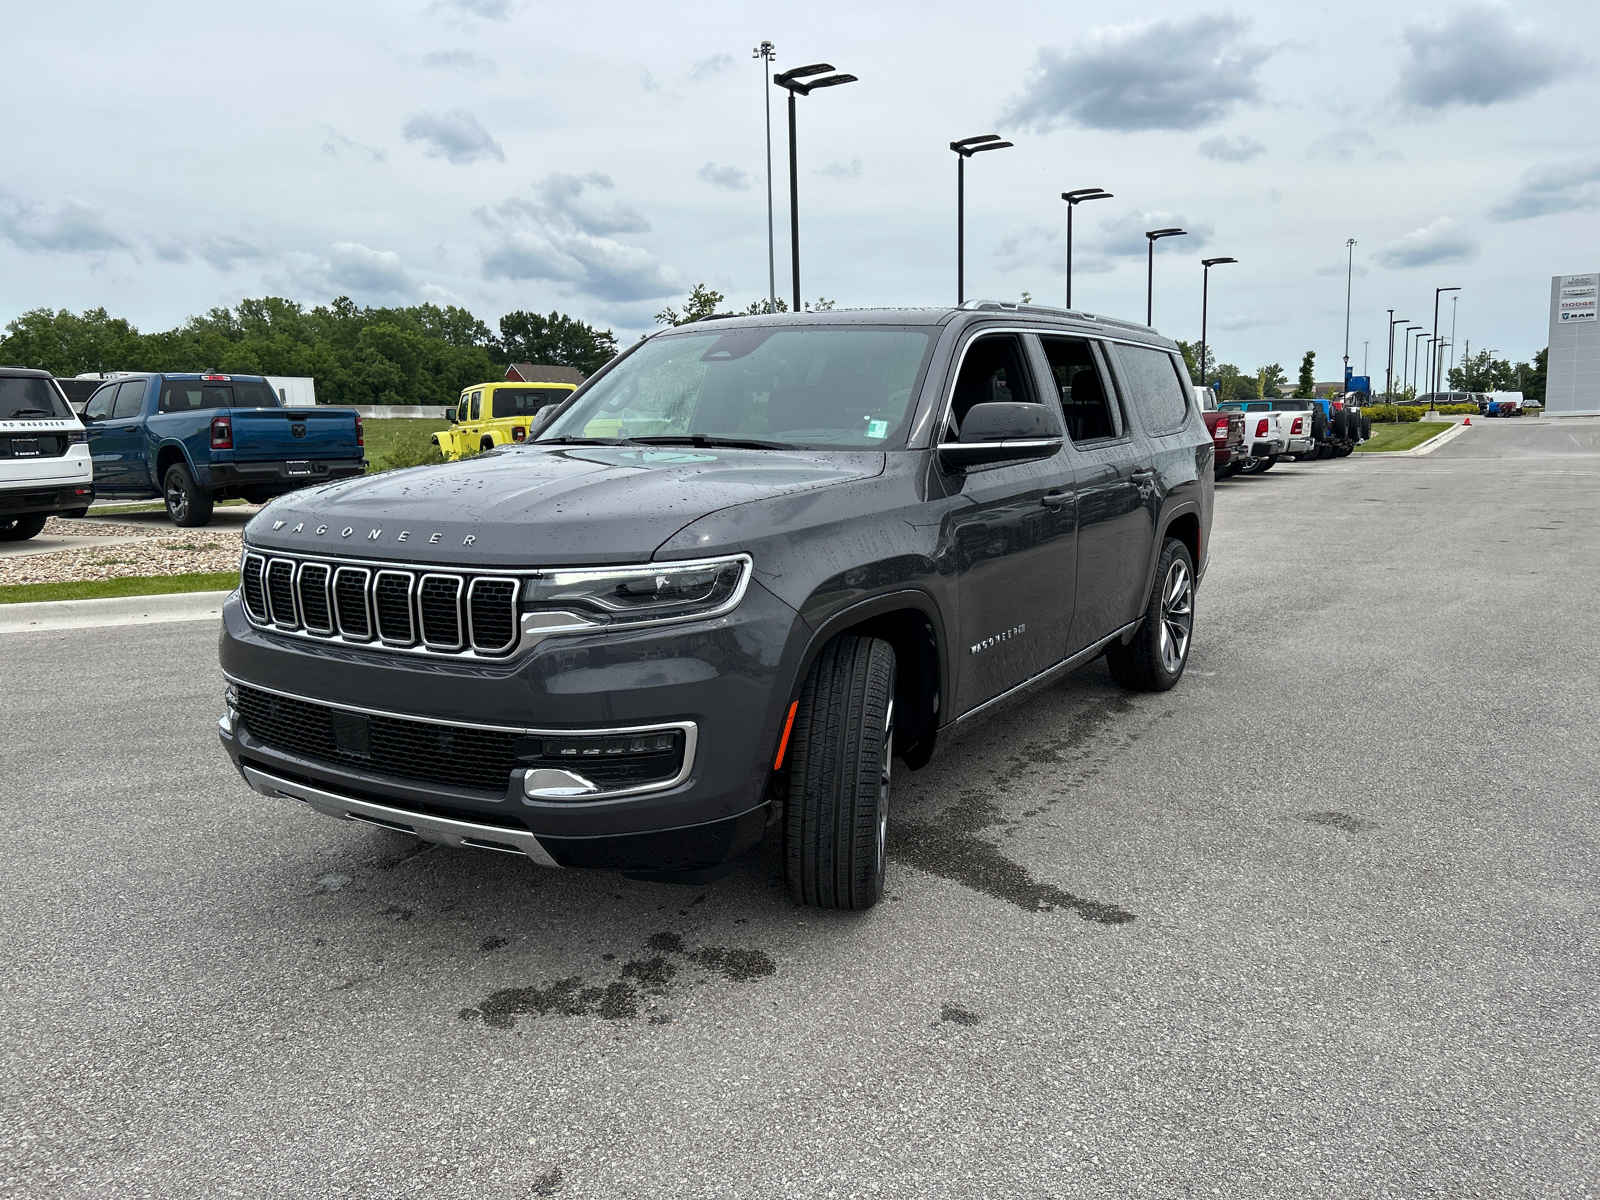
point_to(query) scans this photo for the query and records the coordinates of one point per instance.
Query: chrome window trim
(689, 729)
(516, 622)
(411, 609)
(327, 596)
(359, 639)
(294, 599)
(461, 626)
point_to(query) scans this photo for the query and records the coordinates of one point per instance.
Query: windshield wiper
(708, 442)
(576, 441)
(23, 412)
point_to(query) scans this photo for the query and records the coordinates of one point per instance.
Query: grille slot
(312, 584)
(492, 614)
(455, 755)
(255, 596)
(350, 601)
(439, 612)
(391, 604)
(280, 592)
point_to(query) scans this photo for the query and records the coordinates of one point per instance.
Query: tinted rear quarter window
(1158, 391)
(24, 398)
(191, 395)
(130, 399)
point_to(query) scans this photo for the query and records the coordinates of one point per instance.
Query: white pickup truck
(1270, 434)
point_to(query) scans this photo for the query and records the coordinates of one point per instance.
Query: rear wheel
(486, 444)
(836, 807)
(20, 529)
(1366, 428)
(1154, 660)
(188, 504)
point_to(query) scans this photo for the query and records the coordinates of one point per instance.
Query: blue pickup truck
(194, 439)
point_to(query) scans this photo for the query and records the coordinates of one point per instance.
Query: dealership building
(1572, 386)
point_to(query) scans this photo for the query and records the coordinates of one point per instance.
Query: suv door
(1011, 535)
(1158, 391)
(1115, 526)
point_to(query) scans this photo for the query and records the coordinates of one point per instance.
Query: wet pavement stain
(957, 1015)
(1344, 821)
(493, 943)
(952, 850)
(549, 1183)
(618, 1000)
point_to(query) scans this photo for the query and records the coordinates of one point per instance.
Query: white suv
(44, 458)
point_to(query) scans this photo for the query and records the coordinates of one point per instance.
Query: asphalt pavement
(1321, 921)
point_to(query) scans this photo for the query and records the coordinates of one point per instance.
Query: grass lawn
(399, 441)
(135, 585)
(1401, 437)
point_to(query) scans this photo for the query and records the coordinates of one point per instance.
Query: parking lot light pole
(1433, 378)
(1408, 376)
(766, 52)
(1155, 235)
(965, 149)
(1205, 304)
(797, 83)
(1388, 374)
(1074, 198)
(1349, 275)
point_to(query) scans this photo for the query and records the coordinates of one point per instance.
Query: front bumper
(726, 678)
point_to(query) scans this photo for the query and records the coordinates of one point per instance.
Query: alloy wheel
(177, 501)
(1177, 617)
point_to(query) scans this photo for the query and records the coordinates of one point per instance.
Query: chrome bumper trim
(444, 830)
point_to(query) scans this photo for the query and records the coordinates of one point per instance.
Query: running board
(1045, 677)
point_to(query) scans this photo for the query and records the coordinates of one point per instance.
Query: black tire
(1341, 425)
(1343, 451)
(1257, 466)
(21, 528)
(1319, 423)
(76, 514)
(1154, 660)
(1366, 428)
(486, 444)
(1227, 472)
(1325, 451)
(255, 496)
(1268, 463)
(836, 805)
(188, 504)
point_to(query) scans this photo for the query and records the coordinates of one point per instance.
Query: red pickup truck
(1227, 434)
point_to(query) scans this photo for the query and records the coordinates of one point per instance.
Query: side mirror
(450, 414)
(1003, 432)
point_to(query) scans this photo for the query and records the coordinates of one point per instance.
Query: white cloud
(842, 170)
(454, 136)
(1164, 75)
(1124, 236)
(1544, 191)
(1350, 145)
(1444, 241)
(489, 10)
(1237, 150)
(73, 228)
(714, 65)
(465, 61)
(352, 267)
(1476, 57)
(563, 235)
(731, 178)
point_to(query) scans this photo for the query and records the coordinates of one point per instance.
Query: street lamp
(1074, 198)
(965, 149)
(1205, 304)
(1388, 374)
(1409, 372)
(796, 83)
(1349, 274)
(1155, 235)
(766, 52)
(1433, 386)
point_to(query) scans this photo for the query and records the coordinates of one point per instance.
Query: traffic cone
(1466, 420)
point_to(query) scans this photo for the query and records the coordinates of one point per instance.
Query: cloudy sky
(602, 158)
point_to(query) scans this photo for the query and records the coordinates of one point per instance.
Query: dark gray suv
(739, 572)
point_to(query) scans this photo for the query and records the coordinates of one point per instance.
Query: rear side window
(130, 399)
(30, 399)
(524, 402)
(1158, 391)
(1085, 400)
(477, 405)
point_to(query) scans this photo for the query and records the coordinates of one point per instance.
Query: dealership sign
(1577, 299)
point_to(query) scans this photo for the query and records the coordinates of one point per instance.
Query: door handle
(1143, 476)
(1055, 499)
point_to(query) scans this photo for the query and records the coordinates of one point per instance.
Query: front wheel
(188, 504)
(836, 805)
(20, 529)
(1154, 660)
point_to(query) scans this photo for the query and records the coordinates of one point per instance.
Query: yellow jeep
(492, 414)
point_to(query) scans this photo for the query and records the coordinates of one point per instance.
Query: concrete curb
(45, 615)
(1427, 447)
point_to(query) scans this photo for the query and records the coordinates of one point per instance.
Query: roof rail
(1052, 310)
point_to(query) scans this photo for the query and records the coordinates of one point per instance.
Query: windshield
(1291, 405)
(31, 399)
(795, 387)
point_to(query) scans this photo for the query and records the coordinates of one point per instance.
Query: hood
(531, 506)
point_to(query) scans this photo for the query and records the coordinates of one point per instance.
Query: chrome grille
(421, 611)
(391, 604)
(312, 585)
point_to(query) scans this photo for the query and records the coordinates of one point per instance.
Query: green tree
(1191, 352)
(1234, 384)
(702, 303)
(67, 344)
(556, 340)
(1271, 381)
(1306, 387)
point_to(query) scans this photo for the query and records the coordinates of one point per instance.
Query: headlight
(637, 595)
